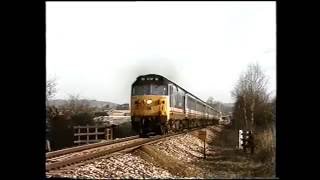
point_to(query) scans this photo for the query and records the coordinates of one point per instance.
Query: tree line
(60, 120)
(254, 107)
(74, 112)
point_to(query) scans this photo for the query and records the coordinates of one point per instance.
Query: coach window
(180, 98)
(198, 106)
(188, 102)
(172, 96)
(177, 97)
(191, 104)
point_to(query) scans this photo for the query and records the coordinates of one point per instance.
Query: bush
(124, 130)
(265, 145)
(61, 133)
(82, 119)
(97, 114)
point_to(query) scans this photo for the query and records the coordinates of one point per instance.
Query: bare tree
(73, 103)
(251, 97)
(80, 109)
(76, 105)
(50, 93)
(51, 112)
(51, 88)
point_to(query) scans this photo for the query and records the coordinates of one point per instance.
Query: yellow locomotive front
(150, 104)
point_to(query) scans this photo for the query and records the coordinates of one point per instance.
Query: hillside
(92, 103)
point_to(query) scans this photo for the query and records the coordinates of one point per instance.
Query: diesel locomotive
(160, 106)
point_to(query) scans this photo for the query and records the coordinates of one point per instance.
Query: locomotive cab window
(141, 90)
(149, 89)
(158, 89)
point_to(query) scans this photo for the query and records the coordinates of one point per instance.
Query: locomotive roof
(166, 79)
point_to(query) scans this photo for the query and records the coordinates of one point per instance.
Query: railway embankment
(177, 157)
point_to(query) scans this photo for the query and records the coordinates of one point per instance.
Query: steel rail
(133, 145)
(88, 146)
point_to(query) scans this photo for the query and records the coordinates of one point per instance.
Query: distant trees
(60, 120)
(82, 119)
(80, 110)
(51, 91)
(219, 106)
(51, 112)
(252, 101)
(215, 104)
(210, 101)
(123, 107)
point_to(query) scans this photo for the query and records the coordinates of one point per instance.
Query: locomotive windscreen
(149, 89)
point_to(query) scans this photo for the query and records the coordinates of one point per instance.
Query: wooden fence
(91, 134)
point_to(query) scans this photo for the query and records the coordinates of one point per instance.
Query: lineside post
(203, 135)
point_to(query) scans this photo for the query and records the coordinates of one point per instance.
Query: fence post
(106, 132)
(87, 134)
(48, 145)
(96, 132)
(79, 135)
(111, 133)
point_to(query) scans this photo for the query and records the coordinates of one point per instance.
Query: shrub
(82, 119)
(265, 145)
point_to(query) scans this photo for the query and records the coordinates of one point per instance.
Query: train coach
(160, 106)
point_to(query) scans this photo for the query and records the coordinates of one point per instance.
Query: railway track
(70, 156)
(85, 147)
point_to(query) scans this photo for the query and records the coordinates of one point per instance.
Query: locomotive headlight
(149, 101)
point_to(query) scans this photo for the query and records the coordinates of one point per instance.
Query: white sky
(97, 49)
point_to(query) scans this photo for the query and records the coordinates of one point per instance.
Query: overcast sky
(97, 49)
